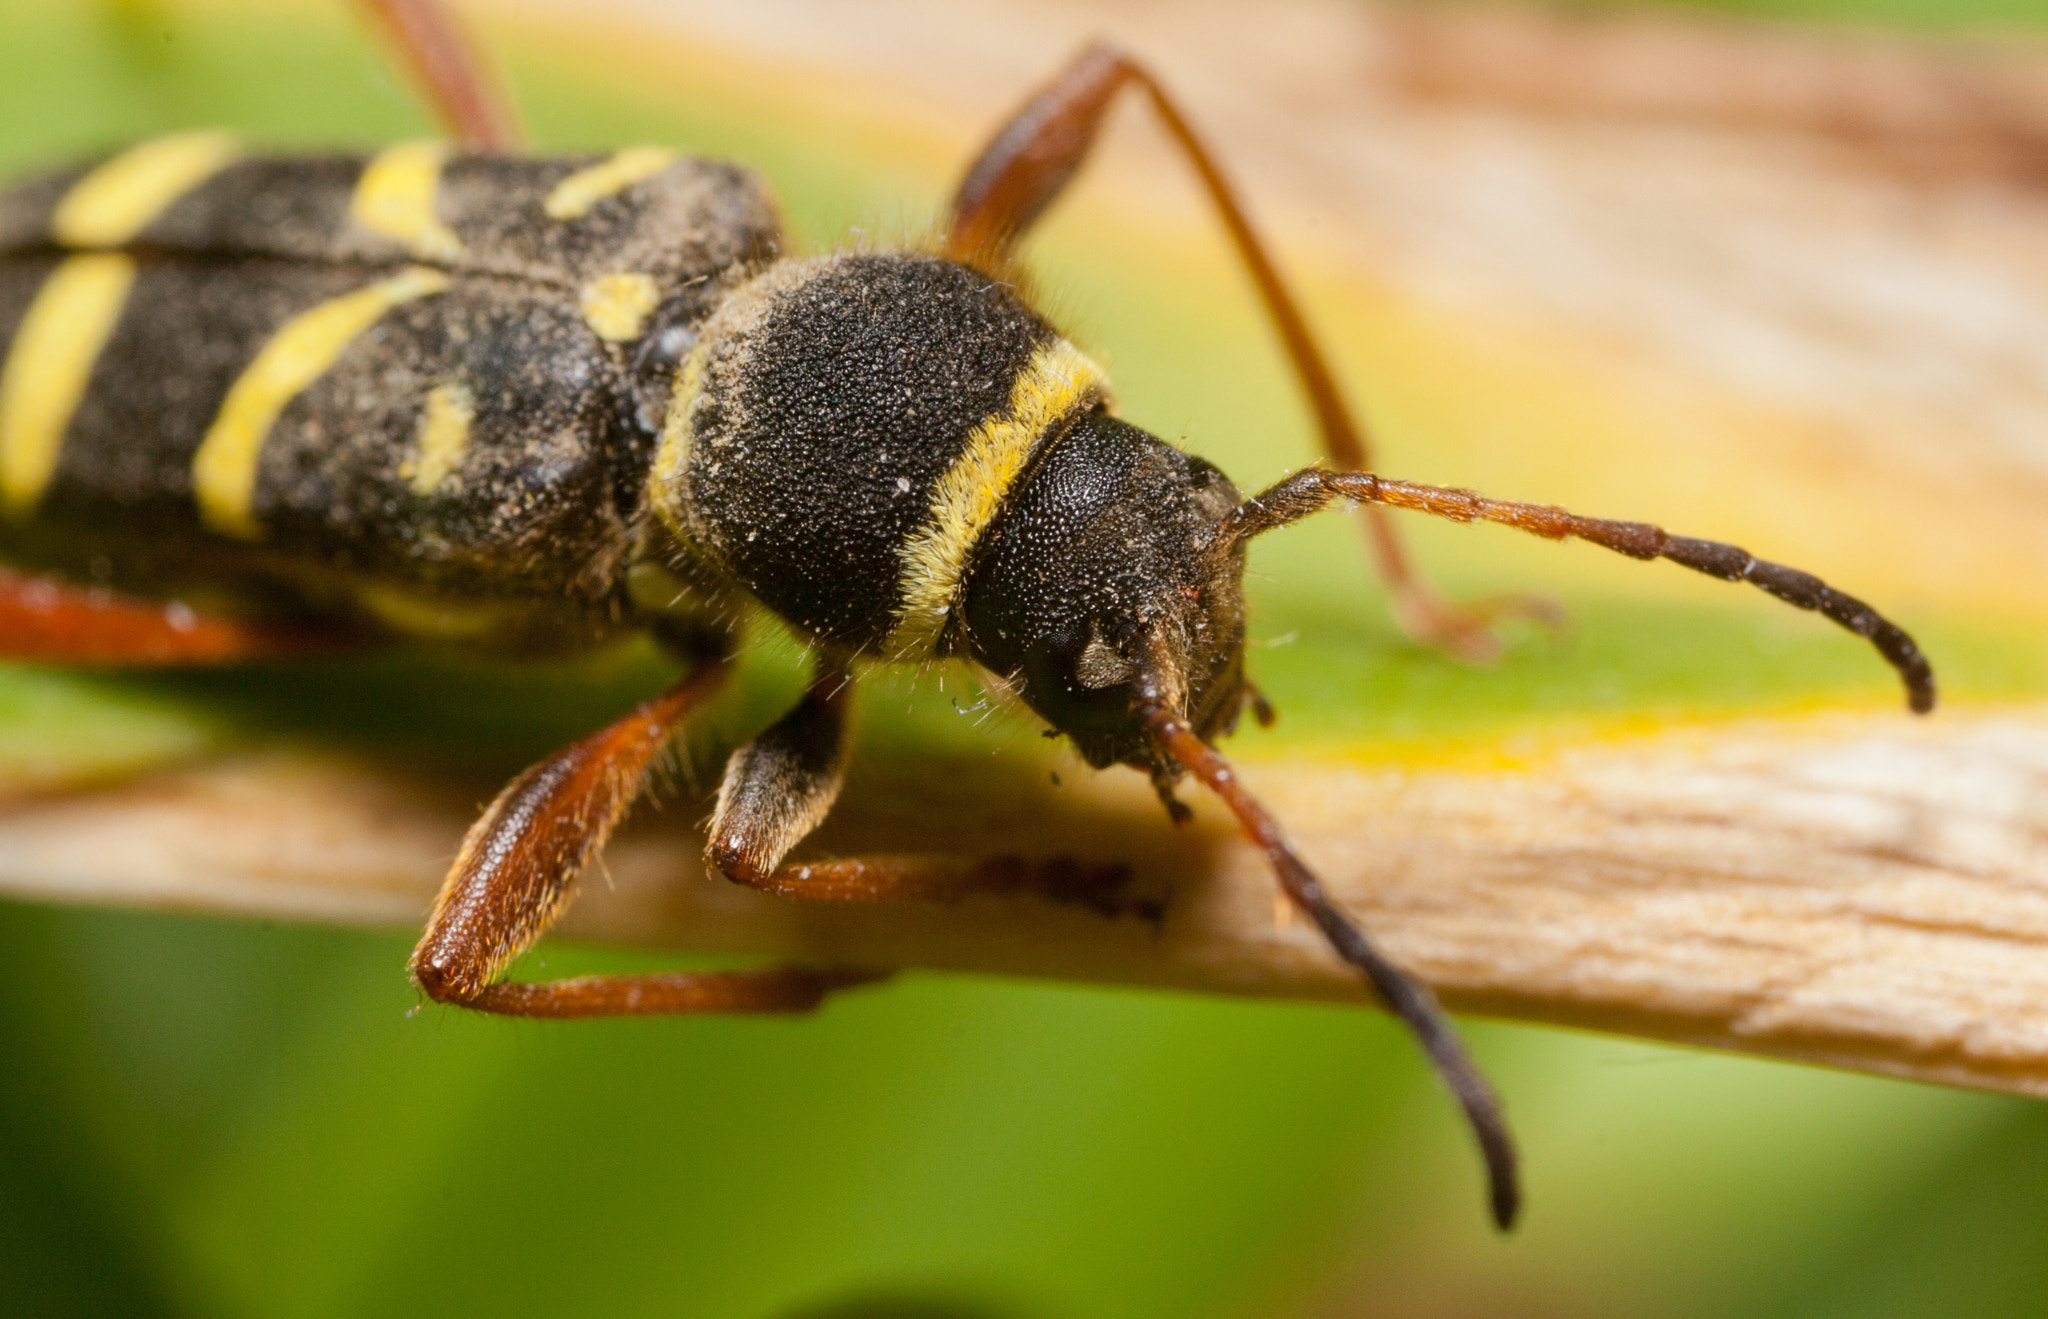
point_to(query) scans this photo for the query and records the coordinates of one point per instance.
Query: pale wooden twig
(1860, 891)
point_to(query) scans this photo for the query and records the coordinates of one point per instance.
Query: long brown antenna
(1313, 488)
(1409, 999)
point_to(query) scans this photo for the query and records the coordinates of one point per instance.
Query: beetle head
(1102, 575)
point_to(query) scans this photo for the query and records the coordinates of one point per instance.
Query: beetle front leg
(511, 880)
(780, 787)
(1101, 888)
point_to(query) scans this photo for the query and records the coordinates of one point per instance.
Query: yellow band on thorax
(669, 472)
(397, 195)
(1058, 381)
(572, 198)
(116, 201)
(48, 366)
(224, 468)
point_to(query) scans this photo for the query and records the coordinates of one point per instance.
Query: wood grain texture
(1859, 891)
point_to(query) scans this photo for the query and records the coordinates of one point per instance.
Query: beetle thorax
(847, 429)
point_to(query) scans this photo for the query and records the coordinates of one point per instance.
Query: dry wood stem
(1857, 891)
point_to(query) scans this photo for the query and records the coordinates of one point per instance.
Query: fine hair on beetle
(520, 403)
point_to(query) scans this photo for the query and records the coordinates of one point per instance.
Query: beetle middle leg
(511, 880)
(1028, 164)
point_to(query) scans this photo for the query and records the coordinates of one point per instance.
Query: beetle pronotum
(528, 404)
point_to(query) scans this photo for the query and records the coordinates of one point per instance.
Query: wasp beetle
(527, 405)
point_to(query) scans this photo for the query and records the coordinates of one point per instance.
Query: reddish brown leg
(45, 620)
(1030, 161)
(1103, 889)
(511, 880)
(450, 70)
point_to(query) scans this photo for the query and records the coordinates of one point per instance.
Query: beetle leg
(450, 70)
(511, 880)
(780, 786)
(50, 621)
(1098, 888)
(1030, 161)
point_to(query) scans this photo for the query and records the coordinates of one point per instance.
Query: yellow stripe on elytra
(1058, 380)
(616, 307)
(48, 366)
(396, 197)
(572, 198)
(224, 468)
(117, 201)
(443, 439)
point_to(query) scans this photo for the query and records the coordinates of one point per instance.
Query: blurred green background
(221, 1118)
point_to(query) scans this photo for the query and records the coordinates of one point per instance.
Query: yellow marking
(616, 307)
(224, 468)
(433, 619)
(572, 198)
(395, 197)
(654, 589)
(1057, 381)
(48, 366)
(117, 201)
(443, 438)
(670, 471)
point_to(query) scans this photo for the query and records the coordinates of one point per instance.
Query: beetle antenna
(1408, 998)
(1311, 489)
